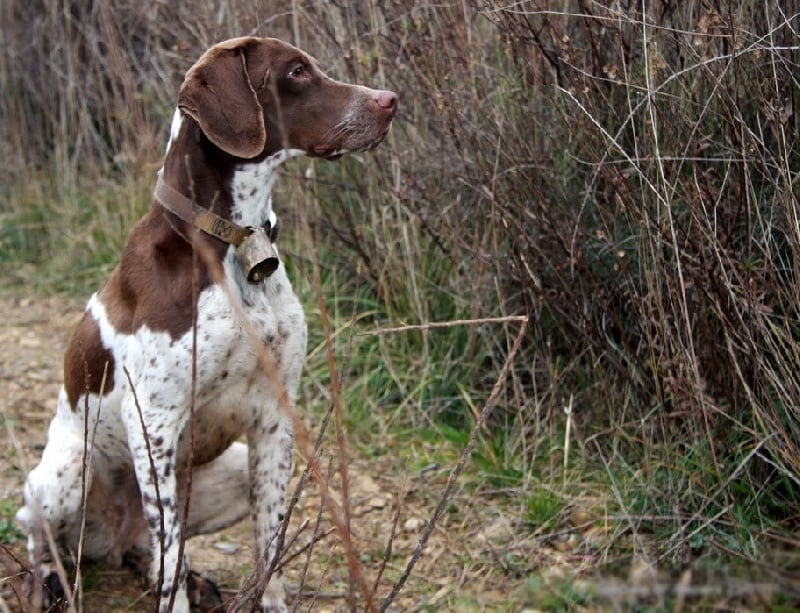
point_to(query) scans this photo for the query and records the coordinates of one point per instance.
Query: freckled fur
(137, 332)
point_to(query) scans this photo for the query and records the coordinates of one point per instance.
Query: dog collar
(254, 249)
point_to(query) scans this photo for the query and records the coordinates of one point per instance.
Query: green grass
(542, 509)
(557, 593)
(9, 533)
(67, 238)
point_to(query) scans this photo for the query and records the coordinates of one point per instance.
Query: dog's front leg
(270, 463)
(153, 434)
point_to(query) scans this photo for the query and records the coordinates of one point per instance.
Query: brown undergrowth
(624, 175)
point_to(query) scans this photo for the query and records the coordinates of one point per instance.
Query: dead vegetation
(624, 175)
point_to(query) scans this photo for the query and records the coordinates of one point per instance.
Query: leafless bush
(625, 173)
(629, 178)
(92, 82)
(672, 254)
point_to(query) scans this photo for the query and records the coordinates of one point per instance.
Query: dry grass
(625, 175)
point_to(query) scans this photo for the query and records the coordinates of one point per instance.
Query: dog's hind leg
(220, 492)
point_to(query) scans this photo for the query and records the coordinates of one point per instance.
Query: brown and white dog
(130, 378)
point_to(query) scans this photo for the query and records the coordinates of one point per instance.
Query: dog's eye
(298, 71)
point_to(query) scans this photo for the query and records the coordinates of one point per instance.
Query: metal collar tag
(256, 255)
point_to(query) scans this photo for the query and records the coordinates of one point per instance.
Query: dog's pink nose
(386, 100)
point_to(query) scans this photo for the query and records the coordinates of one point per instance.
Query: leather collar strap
(191, 212)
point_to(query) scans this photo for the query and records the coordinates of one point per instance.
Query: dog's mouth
(328, 151)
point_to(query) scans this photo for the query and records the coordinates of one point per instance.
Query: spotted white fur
(138, 431)
(160, 369)
(252, 189)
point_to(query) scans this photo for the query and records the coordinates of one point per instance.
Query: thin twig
(388, 553)
(192, 406)
(86, 472)
(355, 568)
(446, 324)
(292, 540)
(14, 569)
(341, 523)
(62, 575)
(316, 537)
(311, 543)
(355, 574)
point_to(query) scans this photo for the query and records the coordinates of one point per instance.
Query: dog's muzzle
(257, 256)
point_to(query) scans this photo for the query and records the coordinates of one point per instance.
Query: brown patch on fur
(86, 361)
(153, 285)
(219, 95)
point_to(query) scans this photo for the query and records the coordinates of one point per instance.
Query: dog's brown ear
(218, 94)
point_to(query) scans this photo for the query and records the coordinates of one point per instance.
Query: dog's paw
(45, 586)
(203, 593)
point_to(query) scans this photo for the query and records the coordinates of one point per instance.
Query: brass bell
(257, 256)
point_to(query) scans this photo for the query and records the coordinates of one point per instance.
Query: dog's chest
(248, 345)
(244, 350)
(239, 335)
(248, 340)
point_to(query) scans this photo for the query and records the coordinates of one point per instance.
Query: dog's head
(255, 96)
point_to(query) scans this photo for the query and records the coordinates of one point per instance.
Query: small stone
(227, 548)
(413, 524)
(376, 502)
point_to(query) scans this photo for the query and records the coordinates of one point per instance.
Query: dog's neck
(251, 189)
(243, 194)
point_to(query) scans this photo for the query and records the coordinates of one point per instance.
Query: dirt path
(460, 570)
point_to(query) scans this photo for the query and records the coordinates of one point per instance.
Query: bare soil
(473, 561)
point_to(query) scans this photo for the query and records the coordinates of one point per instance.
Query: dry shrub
(94, 82)
(673, 256)
(628, 179)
